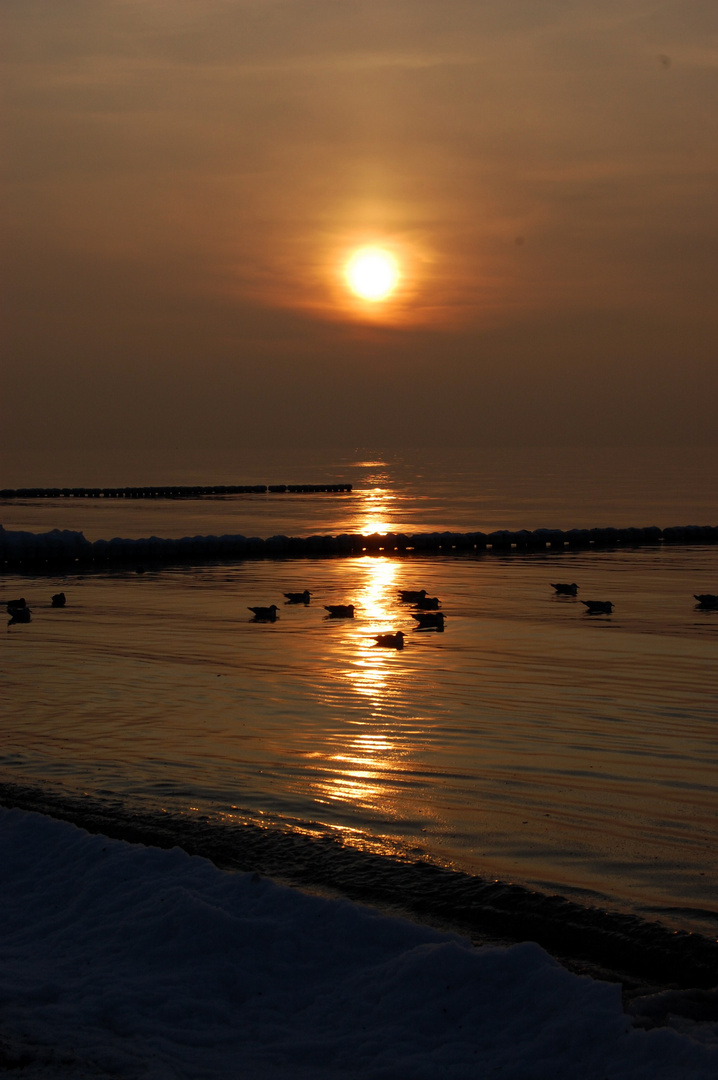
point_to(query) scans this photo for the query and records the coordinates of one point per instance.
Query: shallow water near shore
(529, 741)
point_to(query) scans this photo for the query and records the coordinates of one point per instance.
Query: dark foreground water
(529, 742)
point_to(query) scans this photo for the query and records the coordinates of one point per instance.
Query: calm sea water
(529, 741)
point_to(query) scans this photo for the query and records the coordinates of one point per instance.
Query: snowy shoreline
(123, 960)
(642, 956)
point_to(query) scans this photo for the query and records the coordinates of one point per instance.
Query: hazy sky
(184, 181)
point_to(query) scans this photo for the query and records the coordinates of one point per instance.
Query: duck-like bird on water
(298, 597)
(411, 596)
(58, 600)
(429, 620)
(18, 614)
(265, 614)
(429, 603)
(707, 600)
(390, 641)
(562, 589)
(598, 607)
(340, 611)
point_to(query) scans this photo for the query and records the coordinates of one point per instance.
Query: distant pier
(170, 492)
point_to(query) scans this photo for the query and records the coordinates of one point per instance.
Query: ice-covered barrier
(63, 546)
(57, 546)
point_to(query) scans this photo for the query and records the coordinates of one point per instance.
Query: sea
(529, 743)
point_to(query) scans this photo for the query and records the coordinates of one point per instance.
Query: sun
(372, 273)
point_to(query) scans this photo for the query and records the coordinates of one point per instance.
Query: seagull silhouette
(429, 620)
(565, 590)
(411, 596)
(340, 611)
(390, 641)
(596, 607)
(265, 614)
(19, 615)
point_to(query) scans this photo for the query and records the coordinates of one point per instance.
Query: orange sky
(184, 181)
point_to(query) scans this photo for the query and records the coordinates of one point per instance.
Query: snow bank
(135, 962)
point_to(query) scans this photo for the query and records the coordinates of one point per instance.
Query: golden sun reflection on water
(374, 510)
(363, 771)
(369, 674)
(375, 526)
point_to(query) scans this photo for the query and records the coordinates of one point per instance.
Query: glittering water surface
(408, 491)
(528, 741)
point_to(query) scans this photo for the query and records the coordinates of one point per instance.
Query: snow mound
(122, 960)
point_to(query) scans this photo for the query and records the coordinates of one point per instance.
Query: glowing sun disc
(372, 273)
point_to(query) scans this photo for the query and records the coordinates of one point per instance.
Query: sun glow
(372, 273)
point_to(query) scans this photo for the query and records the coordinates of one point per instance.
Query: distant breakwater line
(62, 547)
(171, 492)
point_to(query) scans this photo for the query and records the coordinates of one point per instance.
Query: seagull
(58, 600)
(707, 600)
(428, 603)
(390, 641)
(340, 611)
(429, 620)
(411, 596)
(565, 590)
(18, 615)
(298, 597)
(265, 614)
(595, 607)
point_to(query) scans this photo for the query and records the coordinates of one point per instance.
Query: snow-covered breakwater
(60, 546)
